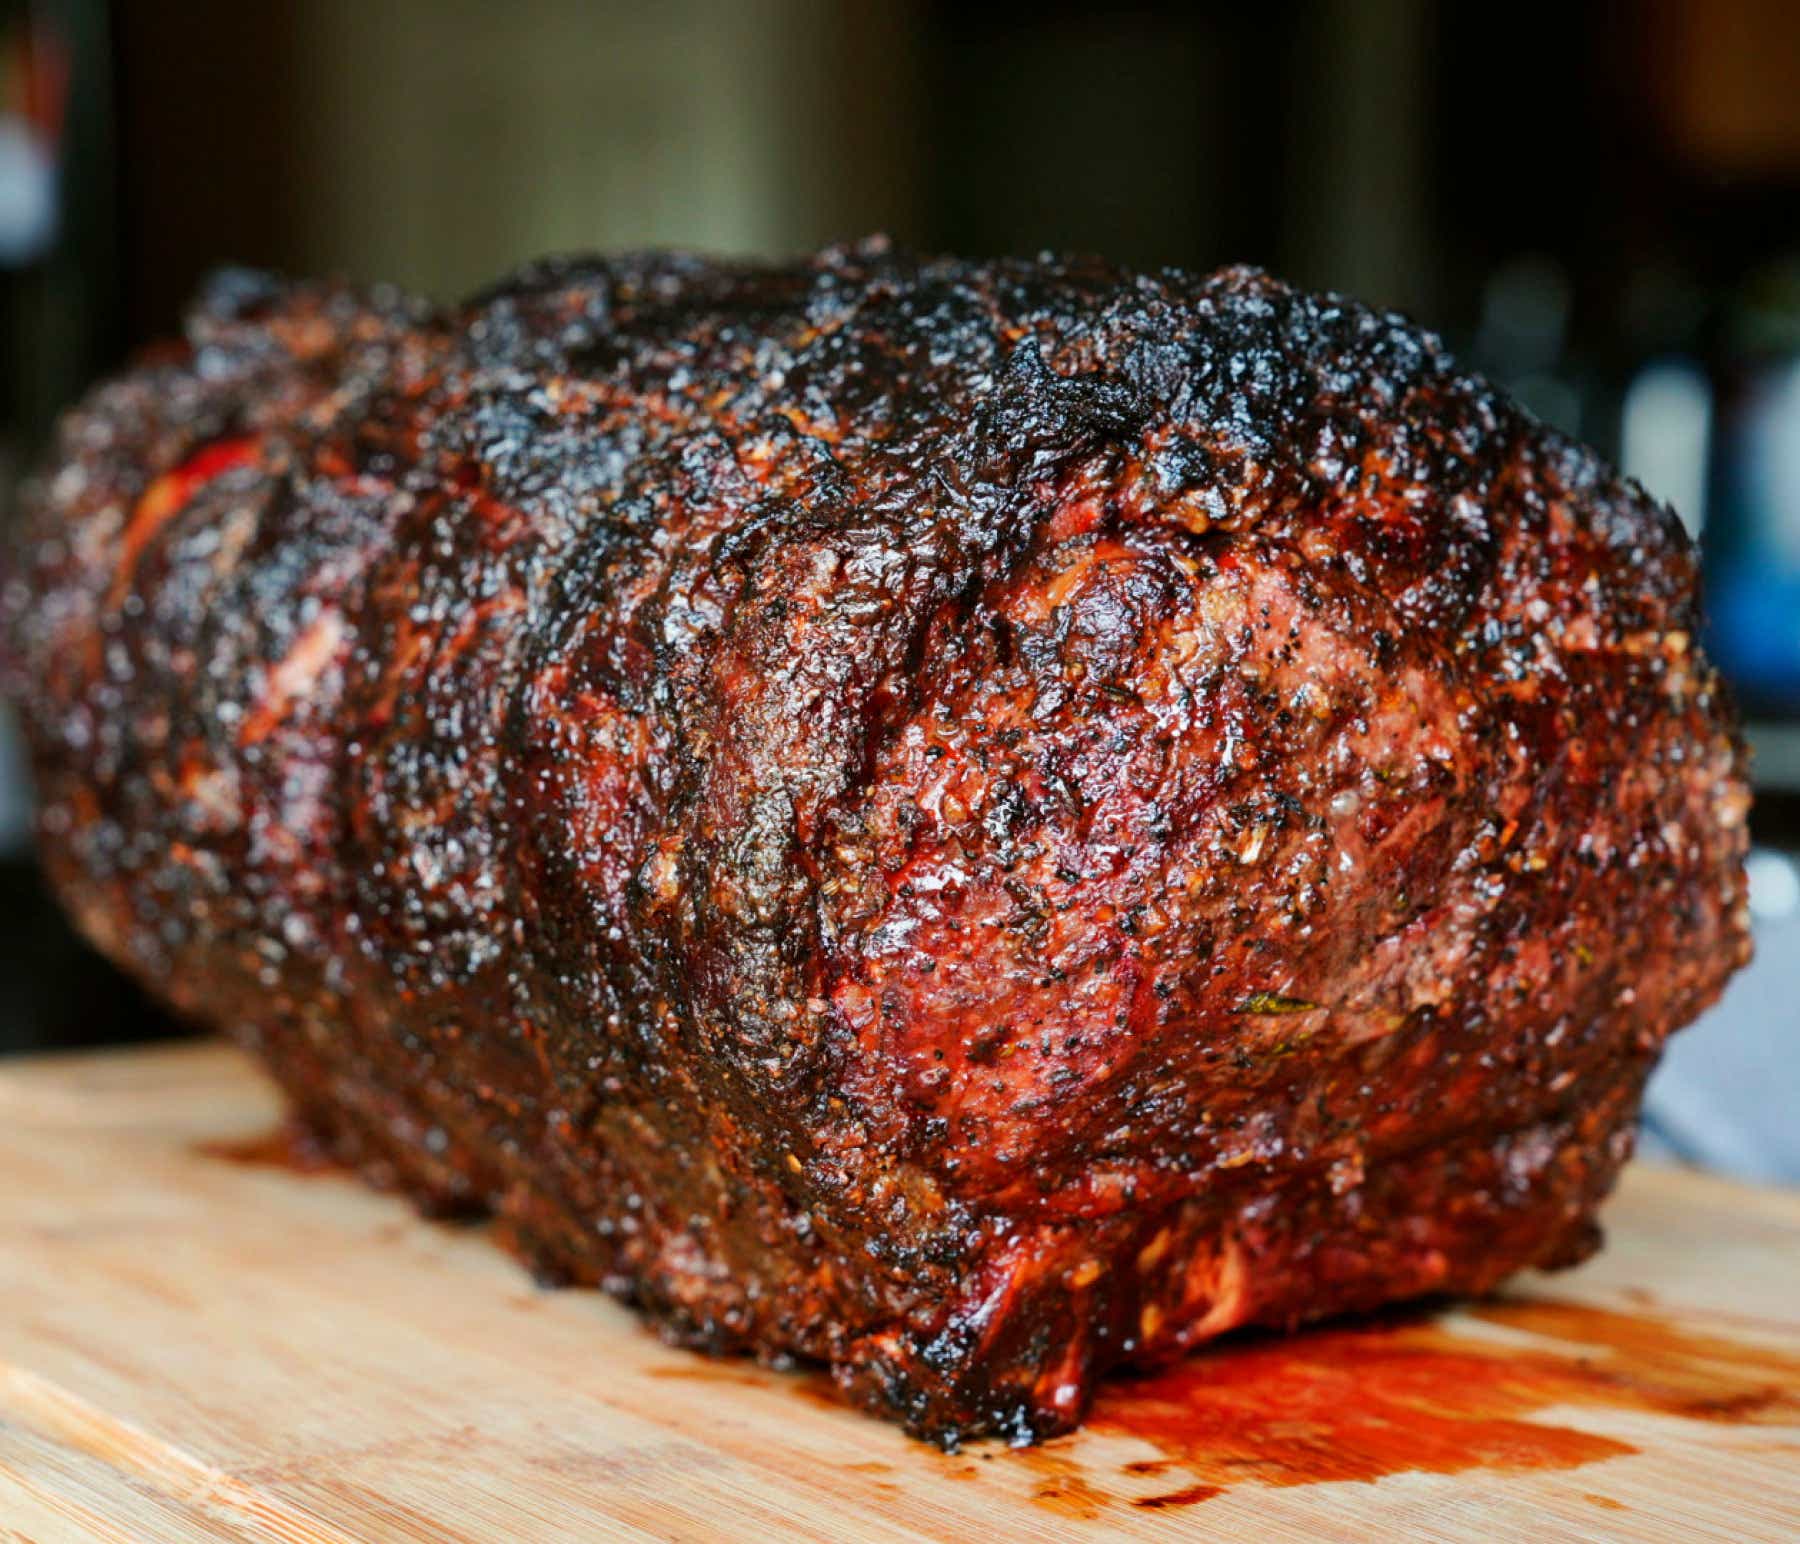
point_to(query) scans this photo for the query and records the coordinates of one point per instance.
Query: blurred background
(1597, 204)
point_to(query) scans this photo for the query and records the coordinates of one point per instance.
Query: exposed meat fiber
(975, 822)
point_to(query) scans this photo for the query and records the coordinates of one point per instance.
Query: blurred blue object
(1752, 536)
(28, 206)
(1728, 1088)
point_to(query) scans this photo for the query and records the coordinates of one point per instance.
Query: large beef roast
(976, 822)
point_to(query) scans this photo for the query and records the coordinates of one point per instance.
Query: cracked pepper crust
(977, 822)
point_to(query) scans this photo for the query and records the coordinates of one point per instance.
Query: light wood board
(196, 1349)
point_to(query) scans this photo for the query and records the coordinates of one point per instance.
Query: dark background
(1597, 204)
(1561, 187)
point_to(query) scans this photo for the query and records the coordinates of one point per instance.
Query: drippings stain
(1186, 1496)
(1150, 1466)
(1063, 1486)
(1398, 1394)
(290, 1146)
(1395, 1393)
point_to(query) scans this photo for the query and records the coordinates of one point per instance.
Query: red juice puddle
(290, 1146)
(1400, 1395)
(1392, 1394)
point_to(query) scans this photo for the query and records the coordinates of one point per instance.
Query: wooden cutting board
(193, 1346)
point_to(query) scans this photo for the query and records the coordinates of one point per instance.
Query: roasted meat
(973, 822)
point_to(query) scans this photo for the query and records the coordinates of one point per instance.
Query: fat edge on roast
(978, 823)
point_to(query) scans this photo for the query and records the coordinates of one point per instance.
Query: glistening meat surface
(975, 822)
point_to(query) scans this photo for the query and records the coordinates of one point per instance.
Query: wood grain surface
(199, 1348)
